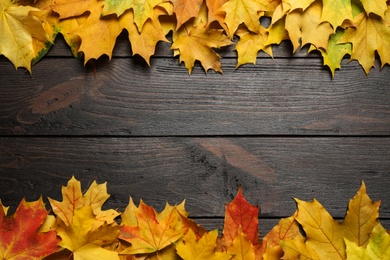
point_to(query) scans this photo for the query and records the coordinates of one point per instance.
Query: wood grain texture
(275, 97)
(281, 129)
(204, 171)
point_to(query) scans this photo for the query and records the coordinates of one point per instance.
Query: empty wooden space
(281, 129)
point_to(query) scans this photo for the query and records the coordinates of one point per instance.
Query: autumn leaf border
(358, 29)
(85, 231)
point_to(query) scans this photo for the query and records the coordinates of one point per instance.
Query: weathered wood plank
(276, 97)
(205, 171)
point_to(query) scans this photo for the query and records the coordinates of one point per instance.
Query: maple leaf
(196, 43)
(72, 8)
(361, 218)
(250, 44)
(242, 11)
(302, 4)
(73, 199)
(19, 236)
(277, 32)
(23, 36)
(325, 236)
(144, 42)
(143, 10)
(241, 248)
(240, 213)
(66, 27)
(148, 231)
(189, 247)
(296, 248)
(85, 241)
(323, 233)
(306, 27)
(214, 14)
(335, 51)
(98, 34)
(287, 228)
(336, 12)
(185, 10)
(375, 7)
(378, 246)
(370, 34)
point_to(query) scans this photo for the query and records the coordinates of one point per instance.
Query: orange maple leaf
(287, 228)
(98, 35)
(19, 236)
(71, 8)
(240, 214)
(185, 10)
(150, 232)
(143, 43)
(196, 43)
(214, 14)
(73, 199)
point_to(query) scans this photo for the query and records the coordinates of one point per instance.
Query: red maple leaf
(241, 213)
(19, 236)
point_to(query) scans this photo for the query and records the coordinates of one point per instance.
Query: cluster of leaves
(335, 28)
(80, 229)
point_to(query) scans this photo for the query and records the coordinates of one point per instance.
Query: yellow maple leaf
(98, 35)
(305, 27)
(301, 4)
(22, 33)
(142, 9)
(185, 10)
(150, 232)
(335, 51)
(189, 247)
(377, 7)
(280, 11)
(336, 12)
(361, 218)
(378, 246)
(277, 32)
(242, 11)
(371, 34)
(67, 27)
(71, 8)
(250, 44)
(323, 233)
(242, 247)
(296, 248)
(83, 240)
(143, 43)
(196, 43)
(283, 7)
(74, 199)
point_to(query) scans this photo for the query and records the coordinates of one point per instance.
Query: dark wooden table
(281, 129)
